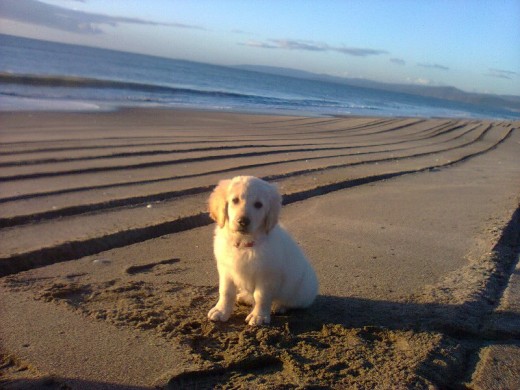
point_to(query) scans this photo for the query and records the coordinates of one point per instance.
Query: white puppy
(258, 262)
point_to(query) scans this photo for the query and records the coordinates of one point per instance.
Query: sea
(42, 75)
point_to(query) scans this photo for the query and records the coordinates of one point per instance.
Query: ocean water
(41, 75)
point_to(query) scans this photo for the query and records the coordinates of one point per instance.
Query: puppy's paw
(217, 314)
(254, 319)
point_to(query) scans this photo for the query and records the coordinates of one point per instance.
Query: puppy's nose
(244, 222)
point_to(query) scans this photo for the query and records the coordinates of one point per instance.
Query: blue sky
(470, 44)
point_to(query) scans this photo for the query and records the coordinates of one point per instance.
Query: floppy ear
(217, 203)
(275, 205)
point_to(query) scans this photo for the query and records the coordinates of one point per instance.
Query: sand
(107, 268)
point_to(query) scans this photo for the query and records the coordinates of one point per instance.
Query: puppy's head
(246, 205)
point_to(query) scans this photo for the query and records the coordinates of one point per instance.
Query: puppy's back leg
(245, 298)
(279, 308)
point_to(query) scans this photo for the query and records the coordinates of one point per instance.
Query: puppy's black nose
(244, 222)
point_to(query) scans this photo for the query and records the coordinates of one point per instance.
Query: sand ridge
(156, 204)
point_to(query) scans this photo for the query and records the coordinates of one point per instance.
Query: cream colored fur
(257, 260)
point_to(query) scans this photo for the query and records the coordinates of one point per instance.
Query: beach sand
(107, 271)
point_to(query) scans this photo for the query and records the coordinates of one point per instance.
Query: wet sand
(108, 273)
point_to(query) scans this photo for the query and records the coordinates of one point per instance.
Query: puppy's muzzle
(243, 223)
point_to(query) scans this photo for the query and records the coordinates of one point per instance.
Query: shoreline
(93, 107)
(282, 113)
(22, 104)
(108, 272)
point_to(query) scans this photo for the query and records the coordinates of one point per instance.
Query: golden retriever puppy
(258, 261)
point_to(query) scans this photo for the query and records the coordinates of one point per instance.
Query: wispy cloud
(258, 44)
(358, 52)
(397, 61)
(66, 19)
(291, 44)
(501, 74)
(434, 66)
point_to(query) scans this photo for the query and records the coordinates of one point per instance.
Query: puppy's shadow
(475, 319)
(460, 321)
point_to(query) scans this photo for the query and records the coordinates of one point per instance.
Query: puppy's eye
(234, 200)
(258, 205)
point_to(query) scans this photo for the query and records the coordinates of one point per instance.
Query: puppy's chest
(243, 265)
(244, 261)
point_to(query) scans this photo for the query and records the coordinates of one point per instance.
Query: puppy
(257, 260)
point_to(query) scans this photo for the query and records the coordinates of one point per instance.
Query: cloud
(353, 51)
(257, 44)
(434, 66)
(397, 61)
(291, 44)
(299, 45)
(42, 14)
(501, 74)
(419, 81)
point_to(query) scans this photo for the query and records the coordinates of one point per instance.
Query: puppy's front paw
(255, 319)
(218, 314)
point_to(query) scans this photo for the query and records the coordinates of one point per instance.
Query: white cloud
(419, 81)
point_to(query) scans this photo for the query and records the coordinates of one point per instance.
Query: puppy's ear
(274, 207)
(217, 203)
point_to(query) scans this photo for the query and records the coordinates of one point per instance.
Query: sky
(473, 45)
